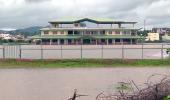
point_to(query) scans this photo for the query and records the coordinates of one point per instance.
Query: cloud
(156, 14)
(24, 13)
(36, 1)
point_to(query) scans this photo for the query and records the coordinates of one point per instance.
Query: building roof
(79, 36)
(94, 20)
(88, 28)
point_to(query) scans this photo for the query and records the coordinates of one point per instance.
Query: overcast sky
(25, 13)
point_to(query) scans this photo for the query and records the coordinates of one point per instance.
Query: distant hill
(2, 31)
(30, 31)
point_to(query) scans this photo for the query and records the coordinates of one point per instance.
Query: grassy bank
(81, 63)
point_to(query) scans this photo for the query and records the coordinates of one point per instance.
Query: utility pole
(142, 35)
(144, 25)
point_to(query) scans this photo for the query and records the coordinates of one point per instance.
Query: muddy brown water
(58, 84)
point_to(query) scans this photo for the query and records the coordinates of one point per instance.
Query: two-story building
(94, 31)
(152, 37)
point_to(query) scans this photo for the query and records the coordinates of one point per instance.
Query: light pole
(142, 45)
(142, 35)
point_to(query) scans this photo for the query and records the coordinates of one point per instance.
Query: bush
(168, 49)
(167, 98)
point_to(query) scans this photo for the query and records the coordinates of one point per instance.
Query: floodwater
(59, 84)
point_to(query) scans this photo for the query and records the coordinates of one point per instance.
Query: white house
(6, 36)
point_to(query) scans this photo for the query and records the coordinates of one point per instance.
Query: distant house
(19, 37)
(94, 31)
(152, 37)
(161, 31)
(6, 36)
(164, 33)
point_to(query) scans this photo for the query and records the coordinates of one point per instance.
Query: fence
(143, 51)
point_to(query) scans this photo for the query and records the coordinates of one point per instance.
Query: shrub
(167, 98)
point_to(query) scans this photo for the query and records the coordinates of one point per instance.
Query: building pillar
(98, 32)
(131, 42)
(81, 41)
(72, 41)
(65, 42)
(121, 32)
(133, 25)
(136, 41)
(41, 42)
(100, 41)
(119, 25)
(107, 41)
(82, 33)
(51, 41)
(58, 41)
(73, 32)
(113, 41)
(77, 42)
(96, 41)
(121, 40)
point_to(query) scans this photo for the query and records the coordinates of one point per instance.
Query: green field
(77, 63)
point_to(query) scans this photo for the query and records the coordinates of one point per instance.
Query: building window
(103, 40)
(46, 32)
(62, 41)
(69, 41)
(76, 32)
(117, 32)
(76, 24)
(110, 32)
(126, 32)
(62, 32)
(110, 41)
(113, 32)
(117, 40)
(70, 32)
(102, 32)
(92, 32)
(133, 33)
(88, 32)
(55, 32)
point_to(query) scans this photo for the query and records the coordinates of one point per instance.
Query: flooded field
(59, 84)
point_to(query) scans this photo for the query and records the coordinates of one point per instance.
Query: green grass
(78, 63)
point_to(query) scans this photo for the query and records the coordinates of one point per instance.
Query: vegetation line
(81, 63)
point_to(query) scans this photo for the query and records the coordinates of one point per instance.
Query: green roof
(79, 36)
(91, 19)
(118, 29)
